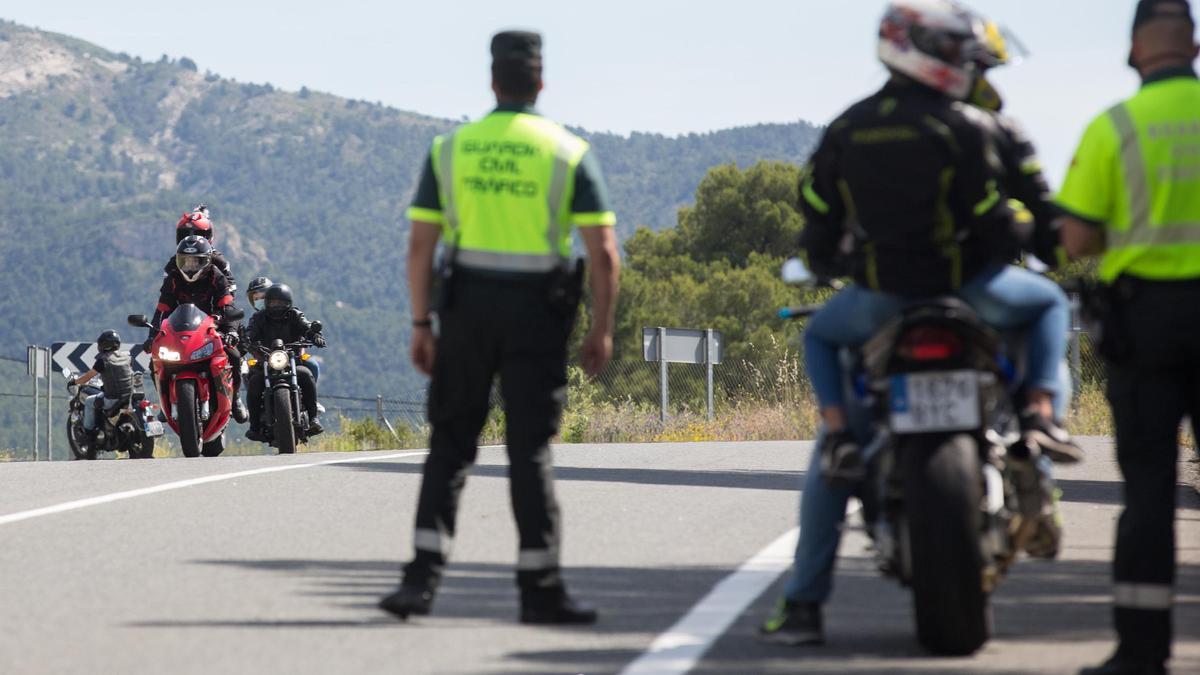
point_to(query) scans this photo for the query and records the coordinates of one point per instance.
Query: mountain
(100, 152)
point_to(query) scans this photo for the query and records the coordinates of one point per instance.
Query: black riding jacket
(907, 193)
(219, 261)
(210, 293)
(263, 330)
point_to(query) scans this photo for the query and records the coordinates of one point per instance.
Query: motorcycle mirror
(316, 326)
(66, 373)
(232, 313)
(138, 320)
(796, 272)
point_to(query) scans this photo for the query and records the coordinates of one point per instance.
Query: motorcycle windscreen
(186, 318)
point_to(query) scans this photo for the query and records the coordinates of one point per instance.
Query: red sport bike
(193, 376)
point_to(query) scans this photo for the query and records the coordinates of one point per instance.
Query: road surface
(177, 566)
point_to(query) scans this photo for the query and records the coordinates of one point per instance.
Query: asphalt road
(279, 571)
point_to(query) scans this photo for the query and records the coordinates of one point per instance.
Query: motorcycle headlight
(167, 355)
(278, 360)
(202, 353)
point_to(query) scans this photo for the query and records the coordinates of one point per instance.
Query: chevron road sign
(78, 357)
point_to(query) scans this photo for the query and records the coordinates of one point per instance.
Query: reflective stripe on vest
(564, 162)
(1141, 231)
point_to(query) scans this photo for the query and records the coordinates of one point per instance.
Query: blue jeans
(89, 409)
(1006, 298)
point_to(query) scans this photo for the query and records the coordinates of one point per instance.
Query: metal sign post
(49, 410)
(682, 345)
(36, 369)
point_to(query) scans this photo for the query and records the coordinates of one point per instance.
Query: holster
(442, 290)
(564, 289)
(1102, 308)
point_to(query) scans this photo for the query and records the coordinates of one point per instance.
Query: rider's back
(912, 175)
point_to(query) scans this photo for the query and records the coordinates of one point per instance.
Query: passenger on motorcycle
(194, 280)
(907, 194)
(198, 223)
(116, 368)
(281, 320)
(256, 293)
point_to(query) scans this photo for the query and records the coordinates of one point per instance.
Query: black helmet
(193, 257)
(279, 301)
(256, 292)
(109, 341)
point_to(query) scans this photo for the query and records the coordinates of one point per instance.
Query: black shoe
(1049, 437)
(406, 601)
(555, 608)
(255, 435)
(1123, 666)
(841, 460)
(794, 624)
(239, 410)
(314, 426)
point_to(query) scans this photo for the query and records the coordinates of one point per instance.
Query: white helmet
(939, 43)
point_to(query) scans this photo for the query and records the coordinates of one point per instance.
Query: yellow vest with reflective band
(506, 184)
(1152, 144)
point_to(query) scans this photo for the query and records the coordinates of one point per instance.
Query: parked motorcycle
(951, 494)
(129, 426)
(285, 420)
(193, 376)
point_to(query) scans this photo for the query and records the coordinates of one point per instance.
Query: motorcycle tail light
(929, 343)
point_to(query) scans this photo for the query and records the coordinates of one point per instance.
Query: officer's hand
(318, 340)
(597, 350)
(423, 349)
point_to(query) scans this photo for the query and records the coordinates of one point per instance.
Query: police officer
(503, 193)
(1132, 192)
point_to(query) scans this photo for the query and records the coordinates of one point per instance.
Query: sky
(665, 66)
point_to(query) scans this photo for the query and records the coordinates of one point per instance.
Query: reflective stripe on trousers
(1142, 596)
(432, 541)
(537, 559)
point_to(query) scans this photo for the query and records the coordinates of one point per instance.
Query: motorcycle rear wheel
(285, 433)
(943, 492)
(189, 418)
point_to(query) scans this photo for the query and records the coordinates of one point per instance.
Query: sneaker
(1049, 437)
(239, 410)
(794, 624)
(841, 459)
(1122, 666)
(555, 608)
(407, 601)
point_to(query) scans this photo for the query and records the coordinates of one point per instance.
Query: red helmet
(194, 223)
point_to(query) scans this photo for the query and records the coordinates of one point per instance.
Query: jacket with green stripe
(907, 194)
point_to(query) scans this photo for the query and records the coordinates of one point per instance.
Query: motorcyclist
(116, 368)
(906, 193)
(194, 280)
(256, 293)
(281, 320)
(198, 222)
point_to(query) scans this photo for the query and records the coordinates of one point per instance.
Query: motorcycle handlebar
(802, 312)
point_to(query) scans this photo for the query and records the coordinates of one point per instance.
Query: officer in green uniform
(503, 194)
(1134, 194)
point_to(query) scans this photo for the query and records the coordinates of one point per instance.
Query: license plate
(927, 402)
(154, 429)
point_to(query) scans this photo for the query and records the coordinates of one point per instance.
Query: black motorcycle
(285, 420)
(951, 493)
(130, 425)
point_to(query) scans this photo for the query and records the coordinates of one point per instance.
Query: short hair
(517, 79)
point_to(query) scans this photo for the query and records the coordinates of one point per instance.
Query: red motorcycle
(193, 376)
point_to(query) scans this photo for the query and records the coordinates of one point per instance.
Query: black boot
(239, 410)
(314, 426)
(408, 600)
(1119, 665)
(554, 606)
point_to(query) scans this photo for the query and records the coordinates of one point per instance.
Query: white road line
(681, 646)
(179, 484)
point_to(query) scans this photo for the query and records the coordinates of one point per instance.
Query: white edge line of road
(179, 484)
(682, 645)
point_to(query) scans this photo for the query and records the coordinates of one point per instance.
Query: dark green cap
(517, 47)
(1148, 10)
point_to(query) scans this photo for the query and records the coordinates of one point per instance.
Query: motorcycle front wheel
(943, 491)
(189, 418)
(285, 433)
(76, 438)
